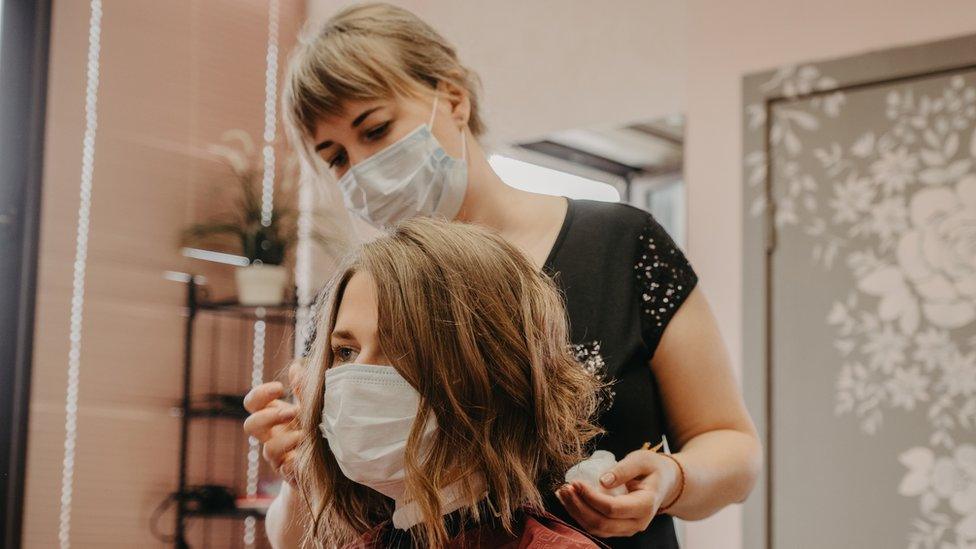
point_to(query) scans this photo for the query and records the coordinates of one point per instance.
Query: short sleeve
(664, 280)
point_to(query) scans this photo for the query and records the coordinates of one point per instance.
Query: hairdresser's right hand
(272, 420)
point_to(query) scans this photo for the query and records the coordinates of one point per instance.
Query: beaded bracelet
(681, 470)
(681, 487)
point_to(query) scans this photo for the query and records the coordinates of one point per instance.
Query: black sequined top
(623, 278)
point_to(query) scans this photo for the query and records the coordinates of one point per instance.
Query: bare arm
(285, 521)
(720, 450)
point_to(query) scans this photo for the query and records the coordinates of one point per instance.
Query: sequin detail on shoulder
(664, 276)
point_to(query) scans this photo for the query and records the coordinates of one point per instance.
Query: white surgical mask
(411, 177)
(366, 419)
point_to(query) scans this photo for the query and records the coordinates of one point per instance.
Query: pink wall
(549, 65)
(727, 40)
(173, 77)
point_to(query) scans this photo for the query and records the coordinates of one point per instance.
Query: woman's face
(367, 127)
(355, 337)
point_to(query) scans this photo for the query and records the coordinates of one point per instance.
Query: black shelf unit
(197, 303)
(235, 514)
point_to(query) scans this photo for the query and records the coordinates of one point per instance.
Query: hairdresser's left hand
(272, 420)
(652, 481)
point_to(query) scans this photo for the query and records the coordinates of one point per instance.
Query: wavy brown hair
(471, 324)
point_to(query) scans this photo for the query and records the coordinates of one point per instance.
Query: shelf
(224, 413)
(233, 305)
(199, 302)
(282, 312)
(234, 514)
(217, 405)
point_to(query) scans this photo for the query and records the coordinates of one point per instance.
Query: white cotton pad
(591, 469)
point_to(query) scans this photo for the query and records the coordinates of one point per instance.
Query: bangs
(368, 52)
(344, 66)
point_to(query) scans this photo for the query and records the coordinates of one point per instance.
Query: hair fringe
(368, 51)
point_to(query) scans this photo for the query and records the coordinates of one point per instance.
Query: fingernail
(607, 479)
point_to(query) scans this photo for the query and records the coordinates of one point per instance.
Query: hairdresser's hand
(272, 420)
(652, 481)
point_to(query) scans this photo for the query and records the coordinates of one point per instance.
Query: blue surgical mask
(411, 177)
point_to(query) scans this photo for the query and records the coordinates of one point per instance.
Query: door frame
(25, 36)
(761, 92)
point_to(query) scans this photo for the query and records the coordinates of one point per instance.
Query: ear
(459, 100)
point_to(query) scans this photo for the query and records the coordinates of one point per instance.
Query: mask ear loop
(433, 112)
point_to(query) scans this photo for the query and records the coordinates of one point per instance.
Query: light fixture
(216, 257)
(540, 179)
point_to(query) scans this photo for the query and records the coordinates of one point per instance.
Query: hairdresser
(381, 102)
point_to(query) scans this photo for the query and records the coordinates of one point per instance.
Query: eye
(343, 354)
(338, 160)
(377, 132)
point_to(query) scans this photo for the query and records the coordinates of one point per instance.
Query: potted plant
(266, 244)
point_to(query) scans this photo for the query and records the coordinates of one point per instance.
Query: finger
(595, 522)
(274, 460)
(259, 424)
(632, 505)
(572, 507)
(287, 467)
(634, 464)
(283, 427)
(278, 447)
(262, 395)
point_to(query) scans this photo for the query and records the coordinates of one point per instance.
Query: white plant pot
(261, 284)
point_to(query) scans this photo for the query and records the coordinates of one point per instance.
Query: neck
(529, 221)
(489, 201)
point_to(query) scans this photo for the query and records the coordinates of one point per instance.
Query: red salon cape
(535, 529)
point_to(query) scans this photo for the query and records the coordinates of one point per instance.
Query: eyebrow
(343, 334)
(359, 119)
(355, 124)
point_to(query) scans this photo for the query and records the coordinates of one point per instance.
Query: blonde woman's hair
(482, 336)
(366, 52)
